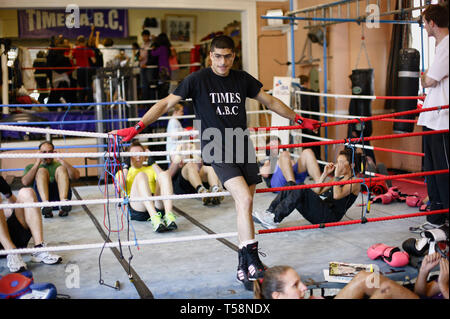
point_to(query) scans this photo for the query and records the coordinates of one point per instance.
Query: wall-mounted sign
(70, 23)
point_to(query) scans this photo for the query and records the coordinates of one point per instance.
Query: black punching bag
(362, 84)
(407, 85)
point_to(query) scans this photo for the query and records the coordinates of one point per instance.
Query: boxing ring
(106, 255)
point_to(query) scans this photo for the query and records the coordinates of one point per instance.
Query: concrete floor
(207, 268)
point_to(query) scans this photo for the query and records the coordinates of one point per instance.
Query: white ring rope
(112, 201)
(117, 244)
(144, 101)
(96, 154)
(164, 142)
(344, 116)
(32, 129)
(341, 96)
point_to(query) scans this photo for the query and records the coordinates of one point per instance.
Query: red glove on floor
(130, 132)
(306, 123)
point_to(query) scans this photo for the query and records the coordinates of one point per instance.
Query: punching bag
(362, 84)
(407, 85)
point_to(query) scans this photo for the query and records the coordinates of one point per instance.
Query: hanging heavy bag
(362, 84)
(407, 85)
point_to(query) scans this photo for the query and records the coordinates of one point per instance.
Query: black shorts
(20, 236)
(226, 171)
(138, 216)
(53, 193)
(181, 186)
(142, 216)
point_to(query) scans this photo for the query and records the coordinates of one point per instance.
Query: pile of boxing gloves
(433, 240)
(386, 196)
(22, 286)
(430, 241)
(392, 194)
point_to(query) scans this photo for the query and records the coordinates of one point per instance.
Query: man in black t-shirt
(219, 95)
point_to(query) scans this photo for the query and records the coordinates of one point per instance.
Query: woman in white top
(174, 126)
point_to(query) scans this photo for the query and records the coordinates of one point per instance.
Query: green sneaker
(157, 223)
(169, 220)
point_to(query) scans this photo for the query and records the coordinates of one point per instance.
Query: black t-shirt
(219, 104)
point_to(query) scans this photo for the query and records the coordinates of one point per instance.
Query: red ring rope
(376, 148)
(355, 181)
(398, 120)
(365, 119)
(351, 222)
(353, 140)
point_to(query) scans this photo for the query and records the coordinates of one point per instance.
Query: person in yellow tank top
(144, 181)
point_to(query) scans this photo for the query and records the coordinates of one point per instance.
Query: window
(418, 35)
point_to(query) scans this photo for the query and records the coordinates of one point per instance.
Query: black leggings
(436, 149)
(308, 203)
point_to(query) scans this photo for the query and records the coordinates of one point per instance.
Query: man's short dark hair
(145, 32)
(353, 157)
(46, 142)
(222, 42)
(438, 13)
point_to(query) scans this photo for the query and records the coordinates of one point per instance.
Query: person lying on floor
(283, 282)
(321, 204)
(435, 289)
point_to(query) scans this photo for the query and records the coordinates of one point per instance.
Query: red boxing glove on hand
(305, 123)
(130, 132)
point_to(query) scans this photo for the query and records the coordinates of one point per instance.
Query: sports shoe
(423, 227)
(157, 223)
(205, 200)
(47, 212)
(45, 257)
(64, 210)
(265, 218)
(242, 270)
(15, 263)
(255, 267)
(216, 200)
(169, 220)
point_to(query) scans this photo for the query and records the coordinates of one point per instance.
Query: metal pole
(320, 7)
(98, 97)
(119, 95)
(5, 84)
(422, 46)
(291, 7)
(111, 98)
(325, 84)
(360, 20)
(124, 98)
